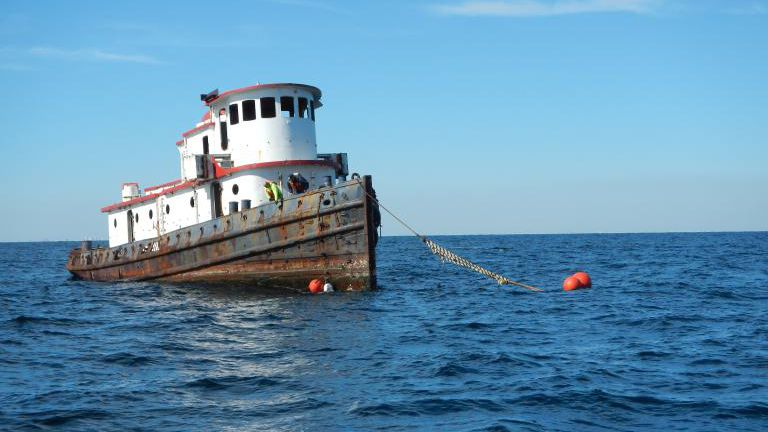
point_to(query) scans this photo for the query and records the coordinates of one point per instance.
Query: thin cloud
(91, 54)
(542, 8)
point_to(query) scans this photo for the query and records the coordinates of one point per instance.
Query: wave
(60, 418)
(127, 359)
(232, 382)
(431, 406)
(453, 370)
(27, 319)
(707, 362)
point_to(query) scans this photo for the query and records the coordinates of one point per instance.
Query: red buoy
(572, 283)
(316, 286)
(584, 278)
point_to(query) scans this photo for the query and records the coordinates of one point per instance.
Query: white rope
(447, 256)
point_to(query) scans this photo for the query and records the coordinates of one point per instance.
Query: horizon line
(479, 234)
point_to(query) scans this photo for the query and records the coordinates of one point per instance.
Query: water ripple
(673, 336)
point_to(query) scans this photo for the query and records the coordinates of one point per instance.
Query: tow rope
(447, 256)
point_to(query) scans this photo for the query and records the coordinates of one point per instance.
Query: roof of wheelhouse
(312, 89)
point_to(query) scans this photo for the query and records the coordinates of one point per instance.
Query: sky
(473, 117)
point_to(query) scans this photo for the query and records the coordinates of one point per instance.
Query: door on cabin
(217, 210)
(130, 226)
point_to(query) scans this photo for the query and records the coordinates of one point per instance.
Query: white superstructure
(249, 136)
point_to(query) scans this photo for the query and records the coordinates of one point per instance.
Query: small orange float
(572, 283)
(316, 286)
(584, 278)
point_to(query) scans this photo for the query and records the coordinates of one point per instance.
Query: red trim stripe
(314, 90)
(160, 186)
(219, 172)
(197, 129)
(129, 203)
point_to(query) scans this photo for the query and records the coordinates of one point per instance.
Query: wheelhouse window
(286, 106)
(249, 110)
(312, 109)
(234, 114)
(303, 107)
(267, 107)
(205, 146)
(223, 129)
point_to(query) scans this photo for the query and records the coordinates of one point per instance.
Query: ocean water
(673, 336)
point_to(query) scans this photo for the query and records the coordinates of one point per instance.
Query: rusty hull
(327, 233)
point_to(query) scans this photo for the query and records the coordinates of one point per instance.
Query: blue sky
(473, 117)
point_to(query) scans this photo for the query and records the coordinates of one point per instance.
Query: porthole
(167, 209)
(192, 202)
(137, 218)
(235, 189)
(150, 213)
(114, 222)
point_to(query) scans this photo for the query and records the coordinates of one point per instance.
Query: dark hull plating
(329, 233)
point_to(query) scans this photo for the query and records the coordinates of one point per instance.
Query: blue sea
(672, 336)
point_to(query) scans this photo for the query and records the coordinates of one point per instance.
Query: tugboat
(256, 204)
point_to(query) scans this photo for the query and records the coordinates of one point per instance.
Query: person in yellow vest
(273, 192)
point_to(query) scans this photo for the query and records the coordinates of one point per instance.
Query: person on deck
(273, 192)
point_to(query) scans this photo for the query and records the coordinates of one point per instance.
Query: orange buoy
(584, 278)
(316, 286)
(572, 283)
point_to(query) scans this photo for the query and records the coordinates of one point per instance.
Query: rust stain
(278, 245)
